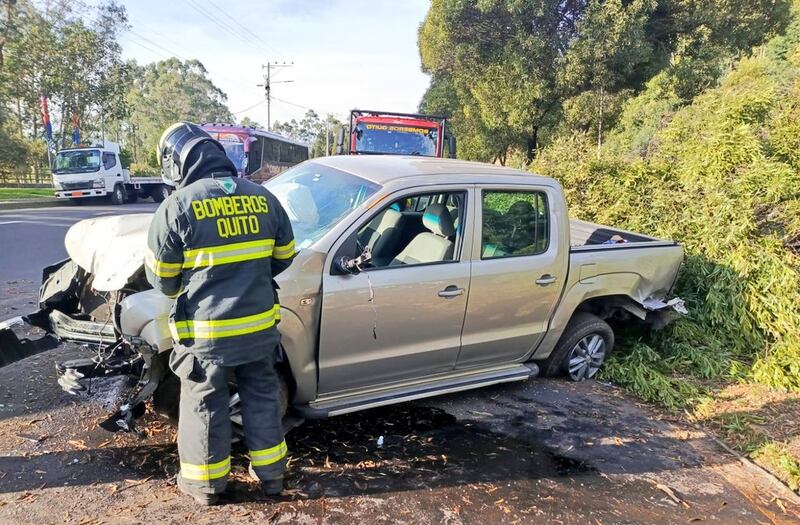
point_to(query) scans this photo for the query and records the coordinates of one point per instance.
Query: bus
(257, 154)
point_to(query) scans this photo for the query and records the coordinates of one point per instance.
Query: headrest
(437, 219)
(521, 208)
(388, 219)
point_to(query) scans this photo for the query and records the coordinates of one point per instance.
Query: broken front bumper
(13, 347)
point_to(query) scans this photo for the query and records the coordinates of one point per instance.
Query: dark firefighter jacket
(215, 245)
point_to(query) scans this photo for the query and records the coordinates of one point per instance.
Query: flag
(76, 133)
(48, 128)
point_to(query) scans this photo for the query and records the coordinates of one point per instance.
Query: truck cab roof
(399, 120)
(384, 169)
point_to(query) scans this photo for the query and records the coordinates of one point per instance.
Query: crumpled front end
(100, 300)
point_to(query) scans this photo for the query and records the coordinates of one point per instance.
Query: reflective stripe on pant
(204, 427)
(259, 391)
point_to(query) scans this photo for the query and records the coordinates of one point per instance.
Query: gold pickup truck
(415, 277)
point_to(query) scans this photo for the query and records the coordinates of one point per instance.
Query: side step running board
(446, 385)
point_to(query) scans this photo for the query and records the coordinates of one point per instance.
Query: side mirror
(451, 145)
(356, 264)
(340, 141)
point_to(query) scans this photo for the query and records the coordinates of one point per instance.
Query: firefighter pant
(204, 427)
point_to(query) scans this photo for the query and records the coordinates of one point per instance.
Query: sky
(344, 54)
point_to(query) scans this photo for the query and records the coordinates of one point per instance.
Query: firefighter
(214, 246)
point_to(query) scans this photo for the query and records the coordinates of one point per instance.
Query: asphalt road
(30, 239)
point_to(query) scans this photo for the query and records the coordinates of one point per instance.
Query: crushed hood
(110, 248)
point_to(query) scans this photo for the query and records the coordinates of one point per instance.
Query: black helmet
(174, 147)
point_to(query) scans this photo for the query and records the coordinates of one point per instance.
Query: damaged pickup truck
(415, 277)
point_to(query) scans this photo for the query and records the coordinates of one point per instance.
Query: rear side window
(514, 223)
(109, 160)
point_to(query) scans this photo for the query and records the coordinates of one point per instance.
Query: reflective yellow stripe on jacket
(225, 327)
(161, 268)
(206, 472)
(228, 253)
(284, 252)
(268, 456)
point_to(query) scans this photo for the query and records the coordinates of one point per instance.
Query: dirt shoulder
(540, 451)
(759, 422)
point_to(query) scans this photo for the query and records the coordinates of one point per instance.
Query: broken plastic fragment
(675, 303)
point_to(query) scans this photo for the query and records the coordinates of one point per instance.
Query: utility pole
(267, 85)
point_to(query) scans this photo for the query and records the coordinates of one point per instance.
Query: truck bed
(590, 236)
(644, 267)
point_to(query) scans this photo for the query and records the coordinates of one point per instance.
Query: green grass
(776, 459)
(11, 194)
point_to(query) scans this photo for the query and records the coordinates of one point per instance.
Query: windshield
(395, 139)
(77, 161)
(234, 147)
(317, 197)
(235, 152)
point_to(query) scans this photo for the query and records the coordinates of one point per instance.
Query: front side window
(401, 234)
(109, 160)
(514, 223)
(317, 197)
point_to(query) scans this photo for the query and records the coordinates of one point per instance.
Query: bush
(721, 176)
(143, 170)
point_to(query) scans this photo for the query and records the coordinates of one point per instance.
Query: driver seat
(382, 235)
(433, 245)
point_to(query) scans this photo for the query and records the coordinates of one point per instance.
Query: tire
(166, 401)
(160, 193)
(118, 195)
(586, 342)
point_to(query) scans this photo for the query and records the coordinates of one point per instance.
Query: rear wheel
(160, 193)
(582, 349)
(118, 195)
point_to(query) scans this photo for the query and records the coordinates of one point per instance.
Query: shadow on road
(422, 447)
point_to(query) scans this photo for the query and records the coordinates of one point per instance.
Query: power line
(244, 28)
(335, 114)
(219, 23)
(159, 46)
(162, 55)
(293, 104)
(249, 108)
(173, 53)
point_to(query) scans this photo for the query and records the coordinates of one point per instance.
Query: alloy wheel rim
(586, 357)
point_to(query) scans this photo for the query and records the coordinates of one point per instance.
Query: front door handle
(451, 291)
(546, 279)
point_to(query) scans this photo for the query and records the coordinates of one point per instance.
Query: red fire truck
(387, 133)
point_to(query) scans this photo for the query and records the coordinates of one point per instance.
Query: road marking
(42, 217)
(37, 223)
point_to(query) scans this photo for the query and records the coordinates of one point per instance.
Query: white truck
(81, 173)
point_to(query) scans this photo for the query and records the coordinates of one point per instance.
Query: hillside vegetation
(702, 147)
(722, 176)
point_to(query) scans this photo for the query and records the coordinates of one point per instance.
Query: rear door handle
(451, 291)
(546, 279)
